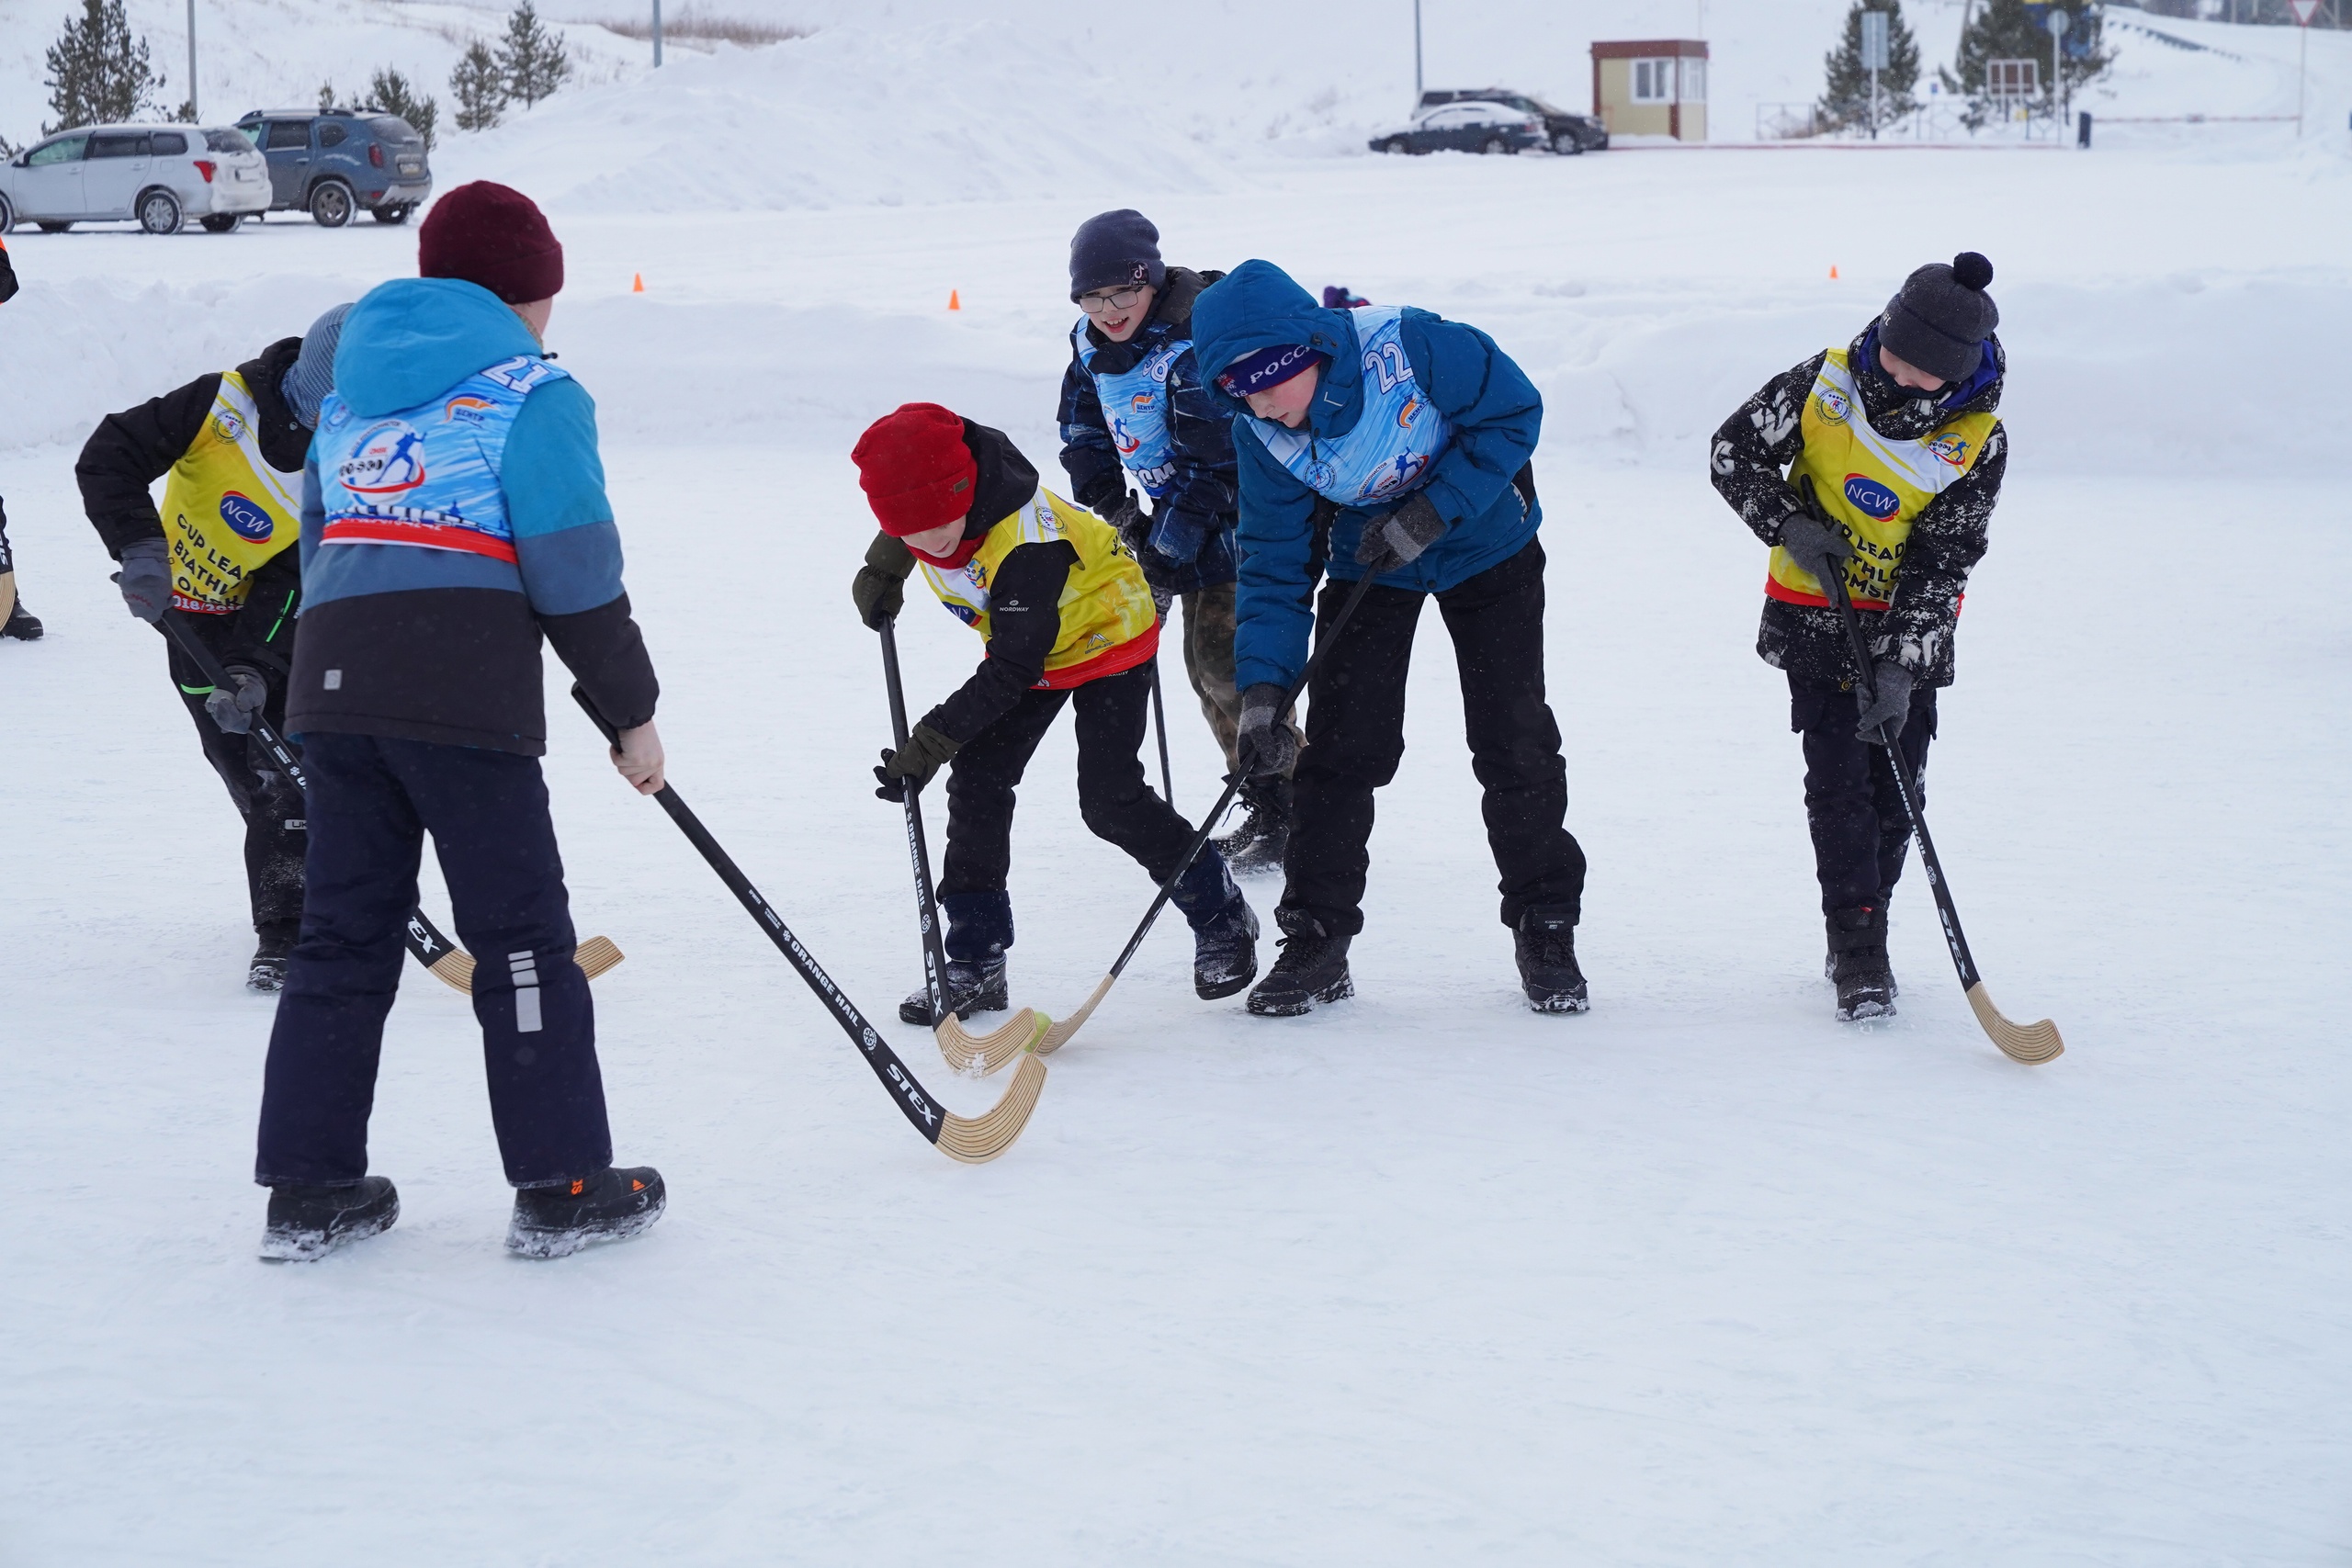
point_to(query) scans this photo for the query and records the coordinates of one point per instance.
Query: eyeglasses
(1119, 299)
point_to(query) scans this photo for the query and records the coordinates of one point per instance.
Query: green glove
(880, 590)
(925, 753)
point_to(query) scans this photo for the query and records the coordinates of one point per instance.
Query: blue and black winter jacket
(1495, 414)
(484, 526)
(1192, 517)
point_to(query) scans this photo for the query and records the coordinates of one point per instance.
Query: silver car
(159, 174)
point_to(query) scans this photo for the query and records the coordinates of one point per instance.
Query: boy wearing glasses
(1135, 409)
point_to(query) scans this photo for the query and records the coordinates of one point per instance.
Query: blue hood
(409, 341)
(1257, 305)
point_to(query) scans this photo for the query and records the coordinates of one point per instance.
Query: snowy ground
(1700, 1278)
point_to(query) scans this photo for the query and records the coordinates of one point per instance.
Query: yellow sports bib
(1108, 623)
(1872, 488)
(227, 512)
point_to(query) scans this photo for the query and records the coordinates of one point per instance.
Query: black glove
(146, 578)
(1893, 702)
(1267, 747)
(1134, 532)
(879, 588)
(1399, 537)
(232, 707)
(1812, 544)
(925, 753)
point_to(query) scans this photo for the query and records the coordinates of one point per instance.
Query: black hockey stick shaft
(1159, 721)
(913, 1101)
(425, 942)
(1324, 642)
(1834, 585)
(934, 954)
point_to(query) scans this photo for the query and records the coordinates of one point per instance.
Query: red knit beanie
(916, 471)
(495, 236)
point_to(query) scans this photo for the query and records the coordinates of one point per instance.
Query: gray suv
(332, 164)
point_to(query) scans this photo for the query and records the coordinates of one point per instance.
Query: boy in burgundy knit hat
(1066, 618)
(453, 517)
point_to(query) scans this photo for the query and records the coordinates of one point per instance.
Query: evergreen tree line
(1997, 30)
(101, 73)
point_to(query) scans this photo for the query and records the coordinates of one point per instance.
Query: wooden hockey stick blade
(984, 1054)
(1059, 1034)
(2030, 1043)
(976, 1140)
(455, 968)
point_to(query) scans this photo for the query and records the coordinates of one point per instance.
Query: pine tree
(479, 88)
(2012, 29)
(326, 97)
(535, 60)
(390, 92)
(1845, 98)
(98, 69)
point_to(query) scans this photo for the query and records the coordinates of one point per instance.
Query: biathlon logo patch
(1833, 405)
(388, 459)
(228, 426)
(1399, 474)
(469, 408)
(1953, 449)
(1125, 440)
(1872, 498)
(246, 519)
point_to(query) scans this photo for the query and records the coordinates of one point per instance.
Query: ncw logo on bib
(388, 460)
(1871, 498)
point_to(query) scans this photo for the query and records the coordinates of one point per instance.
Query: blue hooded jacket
(1496, 414)
(443, 645)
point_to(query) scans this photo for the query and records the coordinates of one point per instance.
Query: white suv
(160, 174)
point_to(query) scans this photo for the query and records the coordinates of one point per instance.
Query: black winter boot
(1859, 965)
(1263, 837)
(1545, 942)
(1311, 969)
(1225, 951)
(612, 1205)
(267, 973)
(307, 1221)
(20, 626)
(971, 988)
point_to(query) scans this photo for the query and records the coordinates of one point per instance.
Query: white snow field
(1700, 1278)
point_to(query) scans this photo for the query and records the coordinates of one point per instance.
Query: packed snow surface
(1700, 1278)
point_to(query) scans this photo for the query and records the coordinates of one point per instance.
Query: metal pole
(657, 34)
(1416, 52)
(194, 114)
(2302, 62)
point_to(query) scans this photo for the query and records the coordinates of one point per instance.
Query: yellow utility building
(1652, 87)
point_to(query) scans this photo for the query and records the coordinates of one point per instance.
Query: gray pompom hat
(1940, 318)
(313, 375)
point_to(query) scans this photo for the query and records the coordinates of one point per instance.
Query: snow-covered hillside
(1702, 1278)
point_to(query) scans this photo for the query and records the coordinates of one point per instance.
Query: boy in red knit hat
(1066, 618)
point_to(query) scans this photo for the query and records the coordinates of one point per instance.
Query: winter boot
(1546, 941)
(1859, 965)
(1263, 837)
(267, 973)
(307, 1221)
(20, 626)
(1312, 968)
(612, 1205)
(971, 988)
(1225, 951)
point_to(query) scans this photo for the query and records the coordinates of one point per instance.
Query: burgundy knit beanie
(495, 236)
(915, 469)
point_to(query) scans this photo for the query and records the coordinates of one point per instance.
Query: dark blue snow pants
(371, 802)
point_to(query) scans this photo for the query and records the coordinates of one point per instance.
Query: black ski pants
(1355, 737)
(1113, 798)
(1861, 833)
(372, 801)
(264, 797)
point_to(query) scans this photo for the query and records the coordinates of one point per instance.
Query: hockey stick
(961, 1048)
(1159, 721)
(2029, 1043)
(1058, 1035)
(973, 1140)
(443, 959)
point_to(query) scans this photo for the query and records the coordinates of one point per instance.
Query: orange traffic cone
(955, 301)
(638, 287)
(1833, 272)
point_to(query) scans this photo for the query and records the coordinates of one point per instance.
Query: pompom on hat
(1940, 318)
(915, 469)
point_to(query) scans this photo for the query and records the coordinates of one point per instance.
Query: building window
(1654, 81)
(1694, 81)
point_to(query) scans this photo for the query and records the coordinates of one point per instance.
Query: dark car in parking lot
(331, 164)
(1477, 125)
(1566, 132)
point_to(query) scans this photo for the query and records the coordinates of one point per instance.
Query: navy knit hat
(1266, 368)
(1113, 248)
(311, 376)
(1941, 317)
